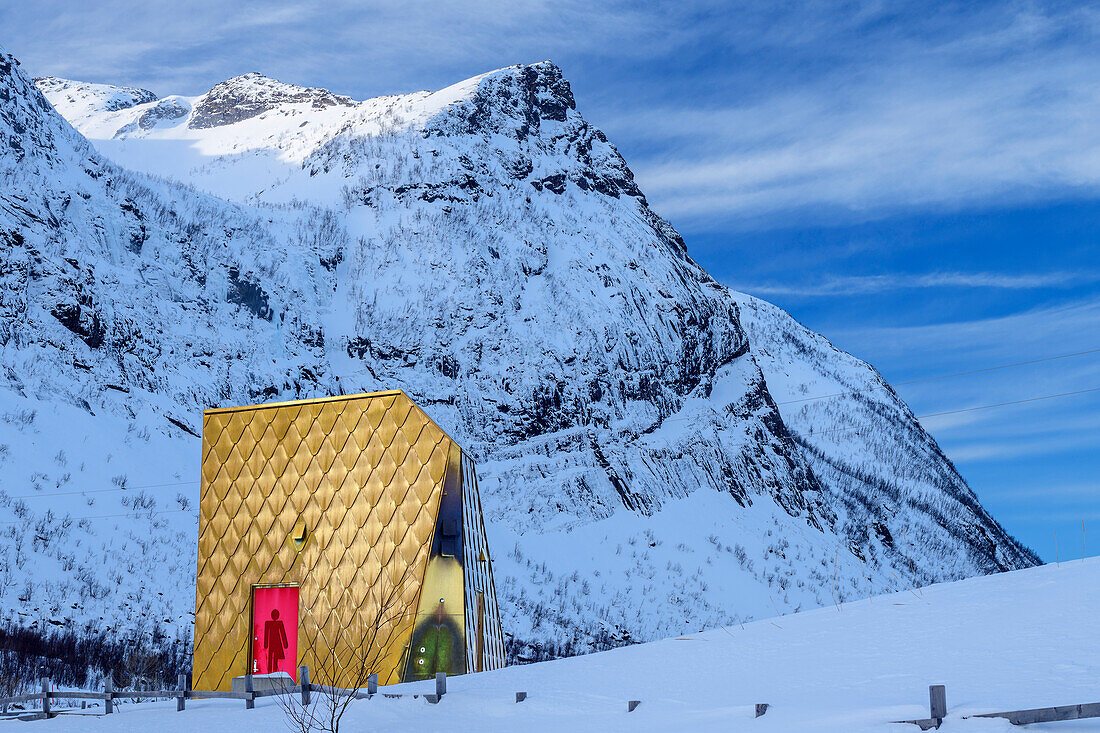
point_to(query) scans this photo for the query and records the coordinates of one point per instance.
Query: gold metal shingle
(365, 476)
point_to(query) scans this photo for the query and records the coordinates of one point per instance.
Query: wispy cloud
(1002, 135)
(1059, 425)
(358, 48)
(1040, 331)
(1001, 449)
(962, 117)
(868, 284)
(1051, 419)
(1055, 490)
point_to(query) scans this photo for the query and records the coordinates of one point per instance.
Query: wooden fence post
(303, 676)
(46, 697)
(181, 683)
(109, 691)
(372, 684)
(249, 702)
(937, 701)
(440, 684)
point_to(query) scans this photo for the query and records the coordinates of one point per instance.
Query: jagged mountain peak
(252, 94)
(515, 126)
(530, 93)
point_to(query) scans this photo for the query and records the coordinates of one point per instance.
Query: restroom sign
(275, 630)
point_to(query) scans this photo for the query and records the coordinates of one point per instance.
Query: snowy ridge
(485, 249)
(886, 475)
(81, 100)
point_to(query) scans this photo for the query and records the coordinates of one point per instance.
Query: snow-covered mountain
(645, 467)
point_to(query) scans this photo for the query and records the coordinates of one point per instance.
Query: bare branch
(356, 651)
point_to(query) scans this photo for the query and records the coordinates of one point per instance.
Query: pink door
(275, 631)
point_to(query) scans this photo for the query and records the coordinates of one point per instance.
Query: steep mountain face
(487, 250)
(869, 452)
(123, 304)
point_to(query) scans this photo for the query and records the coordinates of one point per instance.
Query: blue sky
(920, 183)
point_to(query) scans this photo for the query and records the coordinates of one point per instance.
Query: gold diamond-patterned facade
(364, 474)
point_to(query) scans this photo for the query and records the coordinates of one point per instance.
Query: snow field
(1010, 641)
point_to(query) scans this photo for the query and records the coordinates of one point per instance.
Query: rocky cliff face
(250, 95)
(486, 249)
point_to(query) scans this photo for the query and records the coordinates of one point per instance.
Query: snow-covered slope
(487, 250)
(84, 101)
(1014, 641)
(886, 477)
(123, 304)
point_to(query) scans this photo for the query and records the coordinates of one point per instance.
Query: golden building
(340, 533)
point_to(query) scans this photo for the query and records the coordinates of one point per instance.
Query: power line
(1002, 366)
(99, 491)
(923, 379)
(132, 515)
(946, 376)
(792, 441)
(975, 408)
(1011, 402)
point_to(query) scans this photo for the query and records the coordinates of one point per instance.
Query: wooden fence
(937, 705)
(937, 700)
(182, 693)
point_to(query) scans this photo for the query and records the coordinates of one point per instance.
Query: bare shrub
(354, 652)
